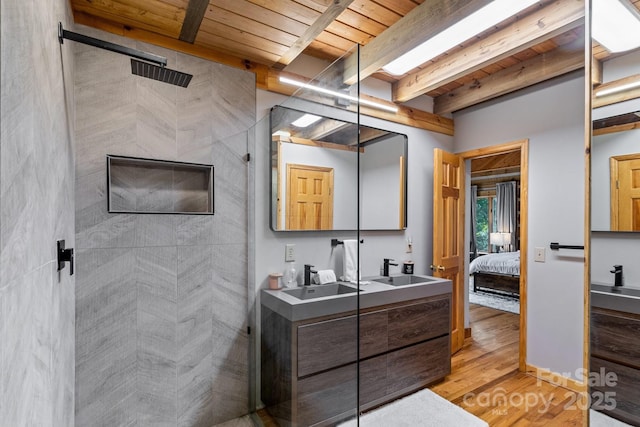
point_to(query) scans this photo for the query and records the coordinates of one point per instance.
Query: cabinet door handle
(438, 267)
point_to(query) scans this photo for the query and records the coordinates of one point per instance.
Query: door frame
(523, 146)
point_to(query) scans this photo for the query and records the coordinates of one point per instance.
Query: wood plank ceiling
(540, 43)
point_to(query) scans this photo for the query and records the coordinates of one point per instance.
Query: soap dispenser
(289, 278)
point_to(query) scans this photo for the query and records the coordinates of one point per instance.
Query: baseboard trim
(556, 379)
(467, 332)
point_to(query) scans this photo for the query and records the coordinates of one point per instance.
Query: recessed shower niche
(137, 185)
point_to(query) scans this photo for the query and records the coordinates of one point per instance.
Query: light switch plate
(538, 254)
(289, 252)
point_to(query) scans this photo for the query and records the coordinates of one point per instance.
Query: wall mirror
(615, 143)
(314, 174)
(615, 172)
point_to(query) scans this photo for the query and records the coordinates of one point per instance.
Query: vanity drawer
(414, 323)
(331, 343)
(419, 365)
(327, 397)
(615, 336)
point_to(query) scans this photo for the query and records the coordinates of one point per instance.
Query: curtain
(506, 211)
(473, 244)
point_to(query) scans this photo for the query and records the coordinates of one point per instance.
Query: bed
(498, 273)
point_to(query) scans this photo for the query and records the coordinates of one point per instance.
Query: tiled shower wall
(36, 209)
(161, 300)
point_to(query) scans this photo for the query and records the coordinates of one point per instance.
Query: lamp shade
(500, 239)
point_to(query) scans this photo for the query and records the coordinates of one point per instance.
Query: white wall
(609, 249)
(379, 184)
(551, 116)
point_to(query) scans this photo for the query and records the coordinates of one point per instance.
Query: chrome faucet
(385, 267)
(307, 274)
(617, 270)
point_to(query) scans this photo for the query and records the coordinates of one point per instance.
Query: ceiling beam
(527, 73)
(548, 22)
(314, 30)
(431, 17)
(615, 129)
(192, 20)
(495, 163)
(623, 95)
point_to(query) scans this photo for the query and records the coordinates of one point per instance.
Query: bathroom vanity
(615, 348)
(309, 353)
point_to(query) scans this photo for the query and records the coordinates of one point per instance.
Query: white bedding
(504, 263)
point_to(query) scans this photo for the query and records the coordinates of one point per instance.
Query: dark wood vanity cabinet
(615, 348)
(309, 369)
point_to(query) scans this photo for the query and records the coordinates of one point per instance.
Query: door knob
(437, 267)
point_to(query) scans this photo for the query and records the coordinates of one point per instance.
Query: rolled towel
(323, 277)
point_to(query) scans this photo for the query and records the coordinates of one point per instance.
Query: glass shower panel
(305, 175)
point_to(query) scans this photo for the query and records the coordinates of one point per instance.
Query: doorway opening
(496, 276)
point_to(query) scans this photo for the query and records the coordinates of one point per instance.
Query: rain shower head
(159, 73)
(139, 68)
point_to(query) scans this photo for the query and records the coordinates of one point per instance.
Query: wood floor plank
(486, 382)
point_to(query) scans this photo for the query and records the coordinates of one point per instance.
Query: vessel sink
(407, 279)
(319, 291)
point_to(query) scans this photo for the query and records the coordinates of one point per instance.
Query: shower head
(139, 68)
(162, 74)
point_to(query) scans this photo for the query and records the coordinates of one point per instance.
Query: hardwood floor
(486, 382)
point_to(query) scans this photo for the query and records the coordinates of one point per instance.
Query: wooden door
(309, 197)
(448, 234)
(625, 192)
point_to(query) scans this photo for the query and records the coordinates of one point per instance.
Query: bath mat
(421, 409)
(598, 419)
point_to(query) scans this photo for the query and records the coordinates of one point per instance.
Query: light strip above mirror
(346, 96)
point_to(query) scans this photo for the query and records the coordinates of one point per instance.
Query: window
(486, 221)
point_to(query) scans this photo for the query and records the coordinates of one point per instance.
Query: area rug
(488, 299)
(421, 409)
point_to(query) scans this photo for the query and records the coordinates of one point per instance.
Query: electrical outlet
(289, 252)
(538, 254)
